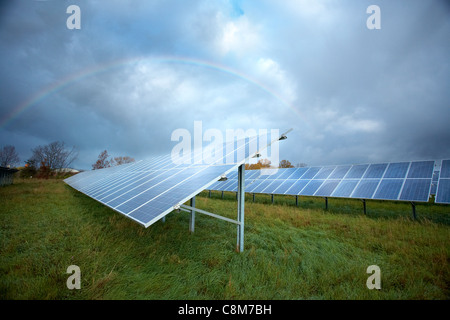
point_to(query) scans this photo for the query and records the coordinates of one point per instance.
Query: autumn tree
(263, 163)
(9, 156)
(102, 161)
(122, 160)
(285, 164)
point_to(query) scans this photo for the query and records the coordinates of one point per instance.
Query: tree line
(266, 163)
(53, 160)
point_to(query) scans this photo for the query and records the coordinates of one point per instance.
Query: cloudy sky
(138, 70)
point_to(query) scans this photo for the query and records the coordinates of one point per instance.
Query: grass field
(290, 252)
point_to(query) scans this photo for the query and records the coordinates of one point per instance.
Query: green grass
(290, 252)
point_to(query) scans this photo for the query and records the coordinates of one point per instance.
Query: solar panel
(375, 171)
(397, 170)
(345, 188)
(271, 189)
(339, 172)
(443, 187)
(389, 189)
(357, 171)
(285, 186)
(297, 187)
(324, 173)
(416, 190)
(311, 173)
(365, 188)
(145, 191)
(327, 188)
(421, 169)
(311, 187)
(445, 170)
(406, 181)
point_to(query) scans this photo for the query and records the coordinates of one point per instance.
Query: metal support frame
(253, 197)
(414, 210)
(209, 193)
(364, 205)
(240, 218)
(296, 201)
(222, 194)
(241, 211)
(272, 198)
(326, 203)
(192, 218)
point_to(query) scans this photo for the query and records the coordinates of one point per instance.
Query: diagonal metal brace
(189, 209)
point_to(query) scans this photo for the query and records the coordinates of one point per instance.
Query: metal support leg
(192, 219)
(414, 210)
(222, 194)
(326, 203)
(209, 193)
(272, 198)
(253, 197)
(241, 201)
(364, 206)
(163, 219)
(296, 201)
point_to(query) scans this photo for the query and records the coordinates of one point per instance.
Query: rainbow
(87, 72)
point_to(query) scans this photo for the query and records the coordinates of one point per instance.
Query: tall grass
(290, 252)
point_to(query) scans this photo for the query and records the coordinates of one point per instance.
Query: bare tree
(9, 156)
(54, 155)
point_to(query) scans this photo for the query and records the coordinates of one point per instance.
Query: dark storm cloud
(360, 95)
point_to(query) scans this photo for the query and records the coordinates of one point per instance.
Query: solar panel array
(146, 191)
(404, 181)
(443, 188)
(434, 182)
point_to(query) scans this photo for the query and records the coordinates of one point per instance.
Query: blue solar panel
(443, 191)
(445, 169)
(345, 188)
(311, 173)
(272, 188)
(287, 173)
(285, 186)
(397, 170)
(311, 187)
(375, 171)
(366, 188)
(383, 181)
(253, 185)
(145, 191)
(421, 169)
(276, 174)
(339, 172)
(296, 187)
(297, 174)
(262, 186)
(324, 173)
(416, 190)
(357, 171)
(327, 188)
(389, 189)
